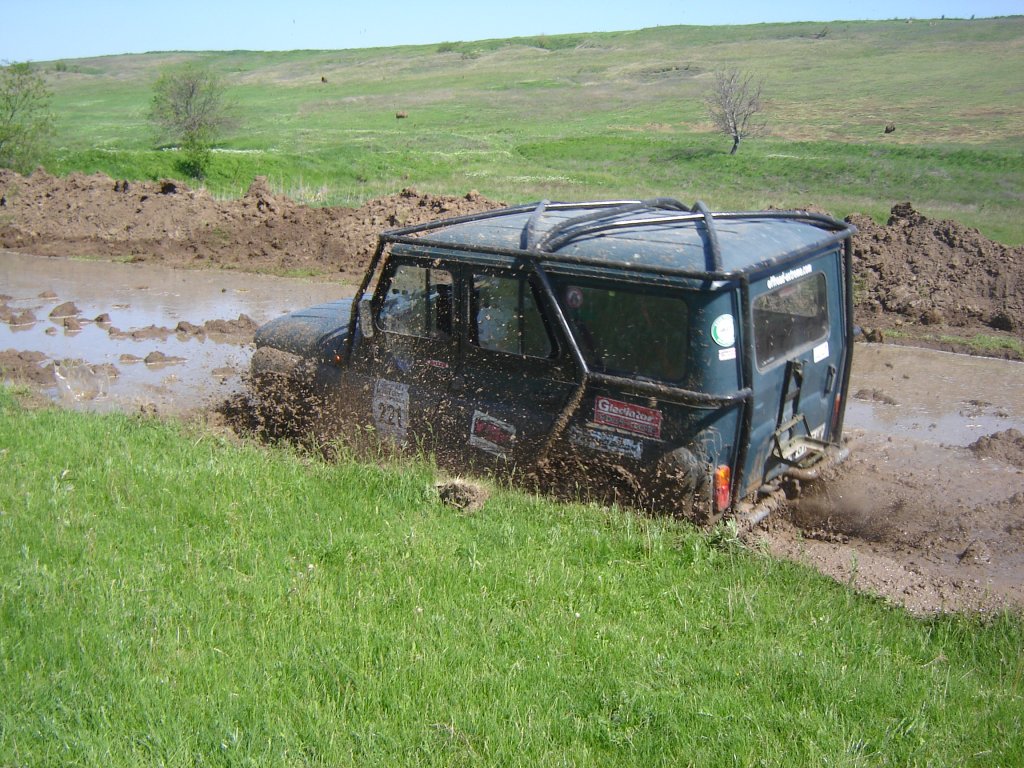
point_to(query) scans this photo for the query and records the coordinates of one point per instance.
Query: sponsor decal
(727, 354)
(637, 419)
(606, 442)
(435, 363)
(492, 435)
(787, 277)
(723, 331)
(391, 409)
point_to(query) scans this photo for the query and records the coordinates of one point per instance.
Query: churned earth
(928, 512)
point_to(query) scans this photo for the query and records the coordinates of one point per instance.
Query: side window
(632, 332)
(418, 302)
(506, 318)
(790, 317)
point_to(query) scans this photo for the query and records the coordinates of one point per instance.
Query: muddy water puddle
(105, 364)
(933, 397)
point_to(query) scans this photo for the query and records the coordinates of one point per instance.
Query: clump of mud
(26, 367)
(464, 495)
(1006, 446)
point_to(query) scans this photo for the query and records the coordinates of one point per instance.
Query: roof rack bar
(569, 230)
(712, 249)
(530, 230)
(607, 226)
(499, 212)
(839, 235)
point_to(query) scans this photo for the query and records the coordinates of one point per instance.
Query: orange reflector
(723, 479)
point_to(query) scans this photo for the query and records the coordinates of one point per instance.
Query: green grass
(168, 597)
(979, 343)
(615, 114)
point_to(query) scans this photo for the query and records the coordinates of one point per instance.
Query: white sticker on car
(727, 354)
(821, 352)
(391, 409)
(723, 331)
(787, 277)
(606, 442)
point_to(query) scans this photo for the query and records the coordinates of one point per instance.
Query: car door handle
(458, 384)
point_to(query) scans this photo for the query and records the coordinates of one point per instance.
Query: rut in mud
(927, 512)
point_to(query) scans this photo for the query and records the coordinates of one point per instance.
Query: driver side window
(418, 302)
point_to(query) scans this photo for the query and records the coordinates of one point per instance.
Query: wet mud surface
(98, 336)
(928, 512)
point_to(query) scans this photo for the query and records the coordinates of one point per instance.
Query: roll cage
(538, 249)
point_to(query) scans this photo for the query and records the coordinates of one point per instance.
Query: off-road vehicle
(687, 359)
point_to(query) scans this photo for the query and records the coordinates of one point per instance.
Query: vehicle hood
(315, 332)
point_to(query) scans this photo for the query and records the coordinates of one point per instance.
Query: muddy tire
(282, 399)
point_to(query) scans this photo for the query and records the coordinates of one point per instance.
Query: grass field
(601, 115)
(170, 598)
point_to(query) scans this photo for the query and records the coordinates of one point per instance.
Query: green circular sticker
(723, 331)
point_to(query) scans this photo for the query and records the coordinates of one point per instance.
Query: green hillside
(596, 115)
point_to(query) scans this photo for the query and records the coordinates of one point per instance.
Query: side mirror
(366, 318)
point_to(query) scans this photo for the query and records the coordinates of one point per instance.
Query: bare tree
(190, 107)
(25, 118)
(734, 103)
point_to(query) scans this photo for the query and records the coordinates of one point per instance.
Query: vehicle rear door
(643, 347)
(797, 318)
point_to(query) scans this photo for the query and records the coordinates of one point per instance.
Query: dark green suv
(683, 358)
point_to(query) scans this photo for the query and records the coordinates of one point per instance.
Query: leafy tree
(25, 118)
(734, 103)
(190, 107)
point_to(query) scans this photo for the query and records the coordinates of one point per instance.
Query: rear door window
(789, 318)
(629, 332)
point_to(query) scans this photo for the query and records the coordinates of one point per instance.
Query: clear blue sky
(42, 30)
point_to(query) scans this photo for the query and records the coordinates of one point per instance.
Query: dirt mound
(167, 222)
(1006, 446)
(934, 280)
(935, 273)
(25, 367)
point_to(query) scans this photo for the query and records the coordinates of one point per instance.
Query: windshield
(628, 331)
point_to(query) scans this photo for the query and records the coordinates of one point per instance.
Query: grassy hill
(597, 115)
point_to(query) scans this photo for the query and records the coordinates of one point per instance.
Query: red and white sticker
(492, 435)
(630, 417)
